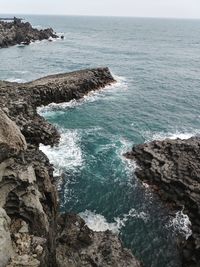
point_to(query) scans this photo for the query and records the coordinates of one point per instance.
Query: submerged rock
(173, 166)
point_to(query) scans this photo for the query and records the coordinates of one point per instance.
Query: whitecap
(181, 224)
(67, 156)
(150, 136)
(98, 222)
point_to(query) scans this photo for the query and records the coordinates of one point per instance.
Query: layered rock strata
(172, 168)
(17, 32)
(32, 232)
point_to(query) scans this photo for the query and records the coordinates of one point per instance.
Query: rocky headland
(172, 169)
(32, 231)
(18, 32)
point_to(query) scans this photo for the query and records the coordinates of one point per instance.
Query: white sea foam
(67, 156)
(181, 224)
(98, 222)
(39, 27)
(149, 136)
(16, 80)
(90, 97)
(130, 165)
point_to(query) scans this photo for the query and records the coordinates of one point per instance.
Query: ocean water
(156, 63)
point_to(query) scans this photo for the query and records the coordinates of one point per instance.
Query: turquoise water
(156, 63)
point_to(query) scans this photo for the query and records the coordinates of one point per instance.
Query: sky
(133, 8)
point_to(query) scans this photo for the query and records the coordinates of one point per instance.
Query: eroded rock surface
(32, 231)
(77, 245)
(172, 167)
(17, 32)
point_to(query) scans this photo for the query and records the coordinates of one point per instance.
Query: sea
(156, 63)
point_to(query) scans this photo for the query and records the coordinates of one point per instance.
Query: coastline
(171, 169)
(21, 33)
(34, 233)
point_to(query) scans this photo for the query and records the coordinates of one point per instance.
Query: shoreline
(34, 232)
(17, 32)
(171, 170)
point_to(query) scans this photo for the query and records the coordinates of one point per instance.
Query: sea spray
(67, 156)
(181, 224)
(98, 222)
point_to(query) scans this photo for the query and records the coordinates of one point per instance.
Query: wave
(67, 156)
(15, 80)
(89, 98)
(150, 136)
(21, 71)
(98, 222)
(181, 224)
(130, 165)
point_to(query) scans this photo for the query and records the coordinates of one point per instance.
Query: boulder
(12, 142)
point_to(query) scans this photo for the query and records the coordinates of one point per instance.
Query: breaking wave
(150, 136)
(90, 97)
(15, 80)
(181, 224)
(67, 156)
(98, 222)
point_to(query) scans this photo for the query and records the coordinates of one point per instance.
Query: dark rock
(77, 245)
(174, 167)
(28, 195)
(18, 32)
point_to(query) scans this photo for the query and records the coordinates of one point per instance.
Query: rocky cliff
(17, 32)
(32, 232)
(172, 168)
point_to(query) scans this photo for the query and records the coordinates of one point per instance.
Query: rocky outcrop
(77, 245)
(32, 232)
(6, 249)
(172, 168)
(11, 140)
(17, 32)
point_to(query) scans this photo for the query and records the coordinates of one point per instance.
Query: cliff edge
(32, 232)
(172, 168)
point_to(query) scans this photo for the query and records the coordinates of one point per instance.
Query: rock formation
(32, 232)
(17, 32)
(172, 168)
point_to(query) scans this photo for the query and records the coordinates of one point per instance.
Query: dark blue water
(156, 63)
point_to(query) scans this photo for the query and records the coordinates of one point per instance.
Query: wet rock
(77, 245)
(174, 167)
(38, 236)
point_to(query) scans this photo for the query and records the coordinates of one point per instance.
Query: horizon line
(115, 16)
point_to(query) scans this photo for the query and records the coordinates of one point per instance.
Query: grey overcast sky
(136, 8)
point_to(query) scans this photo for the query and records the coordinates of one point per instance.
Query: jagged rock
(27, 187)
(17, 32)
(173, 166)
(77, 245)
(12, 142)
(6, 249)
